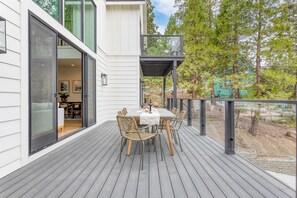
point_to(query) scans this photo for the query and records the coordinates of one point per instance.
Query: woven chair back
(181, 116)
(127, 124)
(124, 110)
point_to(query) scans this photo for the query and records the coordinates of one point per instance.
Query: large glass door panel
(91, 91)
(43, 63)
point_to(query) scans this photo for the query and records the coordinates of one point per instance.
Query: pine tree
(199, 67)
(233, 28)
(172, 27)
(151, 26)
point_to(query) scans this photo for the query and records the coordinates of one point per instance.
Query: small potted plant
(64, 96)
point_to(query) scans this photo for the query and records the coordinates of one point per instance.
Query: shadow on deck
(88, 167)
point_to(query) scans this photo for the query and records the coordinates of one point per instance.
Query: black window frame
(62, 21)
(84, 59)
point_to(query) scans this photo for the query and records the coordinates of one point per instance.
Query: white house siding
(123, 48)
(118, 30)
(10, 68)
(123, 83)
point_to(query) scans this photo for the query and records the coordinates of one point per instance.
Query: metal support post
(202, 117)
(229, 128)
(189, 112)
(174, 81)
(168, 103)
(181, 104)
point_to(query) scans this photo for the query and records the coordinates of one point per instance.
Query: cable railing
(261, 131)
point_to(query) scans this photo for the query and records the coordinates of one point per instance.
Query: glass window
(91, 83)
(90, 24)
(42, 85)
(53, 7)
(73, 17)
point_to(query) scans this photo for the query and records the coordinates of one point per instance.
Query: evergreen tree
(233, 28)
(199, 67)
(172, 27)
(151, 26)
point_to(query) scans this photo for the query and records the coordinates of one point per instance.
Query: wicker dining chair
(175, 127)
(173, 110)
(125, 111)
(130, 131)
(120, 113)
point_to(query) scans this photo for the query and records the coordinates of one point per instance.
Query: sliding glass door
(43, 106)
(91, 90)
(44, 110)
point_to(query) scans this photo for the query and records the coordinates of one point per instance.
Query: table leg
(129, 147)
(169, 136)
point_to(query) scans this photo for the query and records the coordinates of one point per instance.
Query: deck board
(88, 167)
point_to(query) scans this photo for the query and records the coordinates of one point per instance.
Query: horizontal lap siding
(122, 44)
(123, 83)
(10, 133)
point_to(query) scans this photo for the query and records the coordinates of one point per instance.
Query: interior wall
(70, 74)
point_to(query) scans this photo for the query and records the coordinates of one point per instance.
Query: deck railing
(161, 45)
(261, 131)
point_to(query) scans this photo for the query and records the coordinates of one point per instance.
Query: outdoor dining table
(165, 116)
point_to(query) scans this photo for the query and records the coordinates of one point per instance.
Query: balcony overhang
(158, 66)
(159, 53)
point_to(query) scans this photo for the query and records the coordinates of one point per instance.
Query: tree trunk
(258, 52)
(236, 91)
(296, 86)
(255, 122)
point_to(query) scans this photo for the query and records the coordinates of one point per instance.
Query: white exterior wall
(10, 90)
(123, 48)
(118, 30)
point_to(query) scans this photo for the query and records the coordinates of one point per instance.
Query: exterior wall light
(2, 35)
(104, 79)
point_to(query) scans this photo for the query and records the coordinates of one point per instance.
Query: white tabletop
(164, 113)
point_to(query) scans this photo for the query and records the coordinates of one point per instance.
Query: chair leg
(142, 155)
(174, 137)
(181, 148)
(154, 140)
(121, 148)
(161, 151)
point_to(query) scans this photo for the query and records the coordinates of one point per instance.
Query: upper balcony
(159, 52)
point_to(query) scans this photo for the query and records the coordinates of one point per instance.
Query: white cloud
(164, 6)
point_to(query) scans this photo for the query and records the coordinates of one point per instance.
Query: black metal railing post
(229, 128)
(202, 117)
(171, 103)
(181, 104)
(189, 112)
(168, 103)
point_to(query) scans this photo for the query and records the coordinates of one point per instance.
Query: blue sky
(163, 10)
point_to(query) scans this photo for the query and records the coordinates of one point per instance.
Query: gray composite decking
(88, 167)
